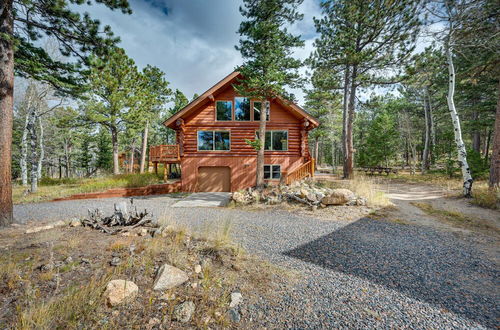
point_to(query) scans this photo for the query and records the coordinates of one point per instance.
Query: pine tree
(114, 86)
(266, 47)
(77, 35)
(362, 40)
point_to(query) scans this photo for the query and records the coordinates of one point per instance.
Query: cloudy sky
(192, 41)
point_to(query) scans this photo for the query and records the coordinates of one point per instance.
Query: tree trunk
(316, 151)
(24, 149)
(132, 158)
(6, 110)
(462, 153)
(494, 181)
(349, 157)
(60, 168)
(41, 147)
(144, 147)
(262, 144)
(487, 146)
(66, 157)
(345, 109)
(427, 141)
(476, 135)
(33, 150)
(114, 141)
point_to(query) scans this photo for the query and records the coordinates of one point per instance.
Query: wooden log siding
(241, 158)
(205, 119)
(163, 153)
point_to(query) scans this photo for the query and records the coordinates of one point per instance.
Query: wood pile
(120, 218)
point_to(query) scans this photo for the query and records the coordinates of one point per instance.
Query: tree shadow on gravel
(428, 265)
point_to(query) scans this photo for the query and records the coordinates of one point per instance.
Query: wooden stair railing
(304, 170)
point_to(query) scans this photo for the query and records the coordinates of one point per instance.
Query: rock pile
(305, 192)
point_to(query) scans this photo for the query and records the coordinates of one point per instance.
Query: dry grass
(456, 218)
(363, 186)
(485, 197)
(69, 296)
(54, 188)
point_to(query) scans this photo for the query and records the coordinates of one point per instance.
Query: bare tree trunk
(132, 158)
(427, 142)
(33, 150)
(486, 151)
(262, 144)
(316, 151)
(345, 109)
(24, 149)
(6, 110)
(114, 141)
(462, 153)
(66, 157)
(349, 157)
(494, 181)
(41, 147)
(476, 135)
(144, 147)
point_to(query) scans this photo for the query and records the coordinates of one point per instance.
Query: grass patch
(69, 186)
(363, 186)
(71, 296)
(455, 218)
(484, 197)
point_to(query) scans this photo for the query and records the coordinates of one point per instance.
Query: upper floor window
(276, 140)
(214, 140)
(224, 110)
(257, 108)
(241, 108)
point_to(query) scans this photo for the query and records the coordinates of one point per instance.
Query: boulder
(311, 197)
(169, 277)
(338, 197)
(239, 197)
(184, 311)
(120, 291)
(234, 315)
(75, 223)
(236, 299)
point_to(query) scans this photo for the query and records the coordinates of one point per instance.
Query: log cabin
(212, 133)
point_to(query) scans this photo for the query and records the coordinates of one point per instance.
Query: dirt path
(406, 196)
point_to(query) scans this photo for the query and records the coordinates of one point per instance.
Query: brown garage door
(214, 178)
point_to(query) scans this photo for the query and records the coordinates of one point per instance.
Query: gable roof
(193, 105)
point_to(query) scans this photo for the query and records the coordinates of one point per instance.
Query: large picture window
(224, 110)
(214, 140)
(275, 140)
(241, 108)
(272, 171)
(257, 109)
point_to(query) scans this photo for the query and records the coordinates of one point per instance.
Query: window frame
(275, 130)
(253, 110)
(250, 109)
(213, 139)
(232, 110)
(271, 171)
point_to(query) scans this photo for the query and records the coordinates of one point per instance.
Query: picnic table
(380, 170)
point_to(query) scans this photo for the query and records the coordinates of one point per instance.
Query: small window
(224, 110)
(272, 172)
(241, 108)
(275, 140)
(214, 140)
(257, 108)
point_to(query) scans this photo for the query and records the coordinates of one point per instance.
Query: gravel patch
(359, 274)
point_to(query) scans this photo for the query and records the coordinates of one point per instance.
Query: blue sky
(192, 41)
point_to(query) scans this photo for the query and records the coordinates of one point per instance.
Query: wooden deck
(165, 153)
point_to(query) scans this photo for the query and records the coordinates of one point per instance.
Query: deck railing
(163, 153)
(304, 170)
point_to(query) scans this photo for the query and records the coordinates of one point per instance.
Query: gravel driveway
(361, 274)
